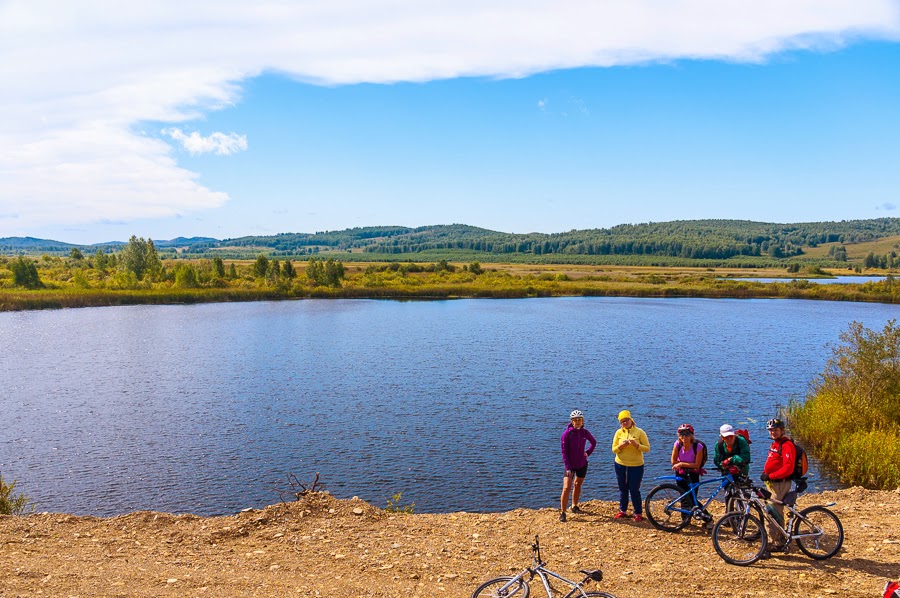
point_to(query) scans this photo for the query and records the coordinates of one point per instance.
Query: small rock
(357, 511)
(171, 580)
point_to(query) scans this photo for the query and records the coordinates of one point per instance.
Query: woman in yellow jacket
(629, 444)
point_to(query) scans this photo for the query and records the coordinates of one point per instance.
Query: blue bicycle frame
(697, 510)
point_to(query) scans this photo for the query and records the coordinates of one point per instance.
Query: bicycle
(741, 538)
(664, 503)
(518, 587)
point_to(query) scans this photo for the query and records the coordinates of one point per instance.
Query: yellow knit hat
(624, 414)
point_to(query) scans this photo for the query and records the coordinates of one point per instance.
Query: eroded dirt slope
(321, 546)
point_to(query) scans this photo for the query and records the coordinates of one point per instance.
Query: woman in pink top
(687, 457)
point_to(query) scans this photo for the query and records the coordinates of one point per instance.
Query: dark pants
(687, 502)
(629, 479)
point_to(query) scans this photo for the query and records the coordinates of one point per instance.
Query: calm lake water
(459, 405)
(832, 280)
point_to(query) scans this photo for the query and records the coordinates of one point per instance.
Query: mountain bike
(518, 586)
(665, 504)
(740, 537)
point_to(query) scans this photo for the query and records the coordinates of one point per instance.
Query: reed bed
(851, 419)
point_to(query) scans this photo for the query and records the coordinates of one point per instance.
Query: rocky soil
(322, 546)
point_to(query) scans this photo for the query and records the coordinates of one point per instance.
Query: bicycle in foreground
(518, 586)
(741, 538)
(664, 505)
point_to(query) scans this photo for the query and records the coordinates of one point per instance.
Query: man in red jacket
(777, 474)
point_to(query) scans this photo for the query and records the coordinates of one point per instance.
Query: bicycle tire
(833, 533)
(491, 589)
(739, 539)
(736, 504)
(599, 595)
(659, 516)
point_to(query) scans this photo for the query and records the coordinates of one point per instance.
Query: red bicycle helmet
(685, 429)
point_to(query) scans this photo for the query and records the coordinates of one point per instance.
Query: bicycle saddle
(595, 575)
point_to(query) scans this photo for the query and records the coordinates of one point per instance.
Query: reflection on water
(459, 405)
(832, 280)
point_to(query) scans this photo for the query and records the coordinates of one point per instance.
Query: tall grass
(62, 292)
(851, 419)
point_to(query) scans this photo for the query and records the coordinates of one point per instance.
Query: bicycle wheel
(661, 507)
(599, 595)
(739, 539)
(494, 588)
(829, 533)
(738, 504)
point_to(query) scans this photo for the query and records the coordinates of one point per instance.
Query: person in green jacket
(732, 450)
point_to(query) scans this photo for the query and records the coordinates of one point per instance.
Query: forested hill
(697, 239)
(692, 239)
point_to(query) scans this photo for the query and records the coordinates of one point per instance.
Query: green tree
(101, 260)
(232, 272)
(315, 272)
(139, 257)
(186, 277)
(287, 271)
(334, 272)
(475, 268)
(261, 266)
(219, 267)
(865, 372)
(25, 273)
(76, 254)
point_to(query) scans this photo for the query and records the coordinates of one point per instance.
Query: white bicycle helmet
(576, 413)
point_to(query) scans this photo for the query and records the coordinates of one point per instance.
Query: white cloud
(222, 144)
(80, 75)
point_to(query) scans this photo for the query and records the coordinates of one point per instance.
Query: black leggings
(687, 502)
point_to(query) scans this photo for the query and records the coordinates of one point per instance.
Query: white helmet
(576, 413)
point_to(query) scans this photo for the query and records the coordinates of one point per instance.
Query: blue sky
(771, 116)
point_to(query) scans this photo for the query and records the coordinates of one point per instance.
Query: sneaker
(620, 515)
(576, 509)
(638, 518)
(562, 517)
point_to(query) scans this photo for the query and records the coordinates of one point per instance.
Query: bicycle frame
(788, 522)
(724, 481)
(538, 568)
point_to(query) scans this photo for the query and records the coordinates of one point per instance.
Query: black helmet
(775, 423)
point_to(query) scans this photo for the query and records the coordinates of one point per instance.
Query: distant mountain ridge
(691, 239)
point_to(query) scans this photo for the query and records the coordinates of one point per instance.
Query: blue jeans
(629, 479)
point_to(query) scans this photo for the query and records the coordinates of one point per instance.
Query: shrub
(11, 503)
(852, 415)
(393, 505)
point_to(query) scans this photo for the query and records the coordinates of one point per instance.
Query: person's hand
(570, 473)
(726, 462)
(585, 456)
(764, 477)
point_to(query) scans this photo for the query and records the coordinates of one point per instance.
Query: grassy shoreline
(509, 288)
(852, 414)
(67, 283)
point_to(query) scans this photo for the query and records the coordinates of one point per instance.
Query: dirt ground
(322, 546)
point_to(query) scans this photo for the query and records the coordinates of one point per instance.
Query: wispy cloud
(222, 144)
(86, 73)
(888, 206)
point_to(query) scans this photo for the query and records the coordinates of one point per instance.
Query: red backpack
(745, 434)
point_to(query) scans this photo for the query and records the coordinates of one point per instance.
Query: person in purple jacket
(575, 460)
